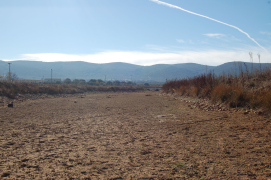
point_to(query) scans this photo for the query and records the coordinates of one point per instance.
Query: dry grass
(245, 89)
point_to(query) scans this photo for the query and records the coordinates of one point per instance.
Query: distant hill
(116, 71)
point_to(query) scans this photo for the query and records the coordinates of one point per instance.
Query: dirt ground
(144, 135)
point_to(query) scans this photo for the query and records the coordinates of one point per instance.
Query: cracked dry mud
(130, 136)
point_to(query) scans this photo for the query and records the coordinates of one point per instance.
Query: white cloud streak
(177, 7)
(180, 40)
(209, 57)
(215, 35)
(268, 33)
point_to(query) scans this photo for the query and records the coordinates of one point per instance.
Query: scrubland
(247, 89)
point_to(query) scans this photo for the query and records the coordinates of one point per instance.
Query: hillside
(115, 71)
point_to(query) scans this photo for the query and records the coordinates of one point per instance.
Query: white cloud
(268, 33)
(208, 57)
(180, 40)
(233, 38)
(215, 35)
(204, 42)
(157, 48)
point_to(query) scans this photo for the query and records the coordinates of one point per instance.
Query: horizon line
(135, 64)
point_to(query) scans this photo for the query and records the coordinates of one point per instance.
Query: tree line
(99, 82)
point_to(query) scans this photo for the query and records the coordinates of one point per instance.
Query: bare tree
(259, 56)
(251, 59)
(11, 76)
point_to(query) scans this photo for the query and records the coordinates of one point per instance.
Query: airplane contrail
(177, 7)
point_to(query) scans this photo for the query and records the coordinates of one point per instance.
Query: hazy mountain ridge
(118, 71)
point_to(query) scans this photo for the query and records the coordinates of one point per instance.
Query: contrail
(177, 7)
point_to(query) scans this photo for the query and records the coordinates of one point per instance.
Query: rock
(10, 105)
(246, 112)
(6, 174)
(259, 112)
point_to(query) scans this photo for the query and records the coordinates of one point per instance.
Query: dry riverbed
(143, 135)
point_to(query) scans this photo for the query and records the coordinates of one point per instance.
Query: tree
(116, 83)
(67, 81)
(14, 76)
(82, 81)
(146, 84)
(109, 83)
(75, 81)
(92, 82)
(100, 82)
(8, 76)
(11, 76)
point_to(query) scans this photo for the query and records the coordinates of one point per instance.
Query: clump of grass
(234, 95)
(265, 98)
(195, 90)
(221, 92)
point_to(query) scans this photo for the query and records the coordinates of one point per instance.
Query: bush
(265, 98)
(221, 93)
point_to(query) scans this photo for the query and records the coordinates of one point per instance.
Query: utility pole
(51, 76)
(9, 75)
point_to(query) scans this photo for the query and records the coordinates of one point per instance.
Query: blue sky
(140, 32)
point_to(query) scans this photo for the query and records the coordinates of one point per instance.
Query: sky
(142, 32)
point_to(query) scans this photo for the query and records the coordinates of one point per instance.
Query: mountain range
(119, 71)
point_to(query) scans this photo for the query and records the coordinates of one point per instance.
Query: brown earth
(144, 135)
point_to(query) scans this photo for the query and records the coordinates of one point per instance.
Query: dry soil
(144, 135)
